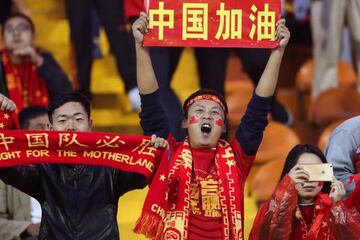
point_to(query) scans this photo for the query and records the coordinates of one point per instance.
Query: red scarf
(166, 210)
(128, 153)
(24, 83)
(320, 229)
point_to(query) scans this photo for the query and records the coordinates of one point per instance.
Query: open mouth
(205, 128)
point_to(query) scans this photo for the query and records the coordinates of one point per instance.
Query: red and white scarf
(166, 211)
(320, 229)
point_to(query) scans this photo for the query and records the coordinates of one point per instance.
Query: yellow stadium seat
(266, 180)
(304, 79)
(277, 141)
(304, 76)
(334, 104)
(238, 93)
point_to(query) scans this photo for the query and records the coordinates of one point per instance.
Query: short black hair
(205, 91)
(61, 99)
(20, 15)
(29, 113)
(293, 157)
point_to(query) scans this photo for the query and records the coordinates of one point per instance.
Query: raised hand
(140, 27)
(282, 33)
(6, 104)
(337, 190)
(298, 174)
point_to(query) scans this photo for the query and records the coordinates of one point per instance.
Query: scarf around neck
(27, 88)
(166, 211)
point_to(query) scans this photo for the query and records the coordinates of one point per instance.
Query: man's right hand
(140, 27)
(6, 104)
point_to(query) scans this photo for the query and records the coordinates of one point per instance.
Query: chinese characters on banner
(128, 153)
(213, 23)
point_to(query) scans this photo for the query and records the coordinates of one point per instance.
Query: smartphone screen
(319, 172)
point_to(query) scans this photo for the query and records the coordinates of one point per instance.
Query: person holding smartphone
(303, 209)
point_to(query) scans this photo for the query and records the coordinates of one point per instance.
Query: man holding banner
(78, 201)
(198, 193)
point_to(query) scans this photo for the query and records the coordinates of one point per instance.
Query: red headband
(205, 97)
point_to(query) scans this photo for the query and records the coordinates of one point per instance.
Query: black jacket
(55, 79)
(79, 202)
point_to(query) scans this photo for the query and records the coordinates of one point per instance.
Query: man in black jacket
(78, 201)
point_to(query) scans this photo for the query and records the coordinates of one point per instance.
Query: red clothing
(308, 214)
(278, 218)
(233, 162)
(132, 8)
(204, 186)
(24, 84)
(354, 198)
(33, 87)
(202, 227)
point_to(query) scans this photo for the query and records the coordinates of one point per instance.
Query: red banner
(128, 153)
(213, 23)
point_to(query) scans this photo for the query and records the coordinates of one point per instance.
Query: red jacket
(281, 218)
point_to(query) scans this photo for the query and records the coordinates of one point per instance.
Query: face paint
(193, 120)
(219, 122)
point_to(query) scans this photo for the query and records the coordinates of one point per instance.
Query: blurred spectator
(34, 118)
(342, 148)
(28, 76)
(303, 209)
(330, 18)
(15, 217)
(111, 15)
(20, 214)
